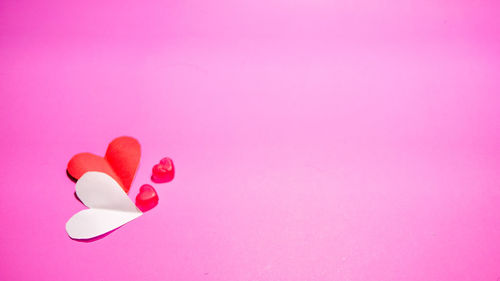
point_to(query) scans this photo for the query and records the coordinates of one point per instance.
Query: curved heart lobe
(109, 207)
(120, 162)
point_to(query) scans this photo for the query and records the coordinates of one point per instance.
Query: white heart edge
(93, 222)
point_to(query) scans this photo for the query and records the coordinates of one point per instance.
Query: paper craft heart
(109, 207)
(120, 162)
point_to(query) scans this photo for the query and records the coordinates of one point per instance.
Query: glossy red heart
(120, 161)
(164, 171)
(147, 198)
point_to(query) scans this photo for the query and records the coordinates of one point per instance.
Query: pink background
(314, 140)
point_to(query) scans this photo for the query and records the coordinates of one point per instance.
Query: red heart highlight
(147, 198)
(120, 162)
(164, 171)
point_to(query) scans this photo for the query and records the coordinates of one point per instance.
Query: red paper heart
(147, 198)
(120, 162)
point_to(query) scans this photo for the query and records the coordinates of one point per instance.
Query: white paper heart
(109, 207)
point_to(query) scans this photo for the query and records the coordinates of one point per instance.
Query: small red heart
(120, 161)
(147, 198)
(164, 171)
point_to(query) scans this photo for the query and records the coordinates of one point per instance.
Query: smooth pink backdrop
(313, 140)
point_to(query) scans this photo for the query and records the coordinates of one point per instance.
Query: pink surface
(313, 140)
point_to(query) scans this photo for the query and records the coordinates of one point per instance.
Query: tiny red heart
(147, 198)
(164, 171)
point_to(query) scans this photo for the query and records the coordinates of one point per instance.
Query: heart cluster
(103, 183)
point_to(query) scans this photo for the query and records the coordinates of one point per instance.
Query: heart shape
(109, 207)
(120, 162)
(147, 198)
(163, 171)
